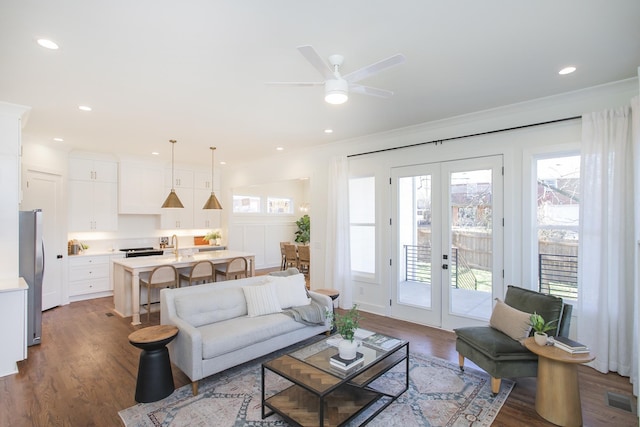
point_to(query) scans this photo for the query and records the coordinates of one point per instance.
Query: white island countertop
(126, 275)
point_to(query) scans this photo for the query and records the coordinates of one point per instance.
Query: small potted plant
(213, 237)
(540, 327)
(346, 325)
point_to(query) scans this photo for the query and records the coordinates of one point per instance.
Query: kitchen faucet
(174, 243)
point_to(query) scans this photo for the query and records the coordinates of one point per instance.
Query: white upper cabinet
(81, 169)
(174, 218)
(204, 218)
(93, 195)
(141, 188)
(182, 178)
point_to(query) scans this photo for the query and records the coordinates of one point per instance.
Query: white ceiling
(195, 71)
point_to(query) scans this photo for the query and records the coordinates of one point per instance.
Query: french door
(447, 241)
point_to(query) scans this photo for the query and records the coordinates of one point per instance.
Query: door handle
(445, 266)
(59, 256)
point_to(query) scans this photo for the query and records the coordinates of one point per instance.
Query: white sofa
(216, 331)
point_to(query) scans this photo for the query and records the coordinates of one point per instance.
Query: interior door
(447, 241)
(43, 191)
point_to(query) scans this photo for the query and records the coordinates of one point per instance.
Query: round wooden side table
(155, 379)
(331, 293)
(557, 391)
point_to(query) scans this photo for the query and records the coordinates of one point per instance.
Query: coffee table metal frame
(316, 386)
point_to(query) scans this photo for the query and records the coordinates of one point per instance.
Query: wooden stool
(155, 380)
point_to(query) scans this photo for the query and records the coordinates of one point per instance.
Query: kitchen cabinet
(82, 169)
(140, 188)
(93, 195)
(204, 218)
(13, 317)
(179, 218)
(93, 206)
(182, 178)
(202, 180)
(89, 277)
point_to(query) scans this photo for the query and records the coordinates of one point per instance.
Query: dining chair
(284, 257)
(235, 268)
(201, 272)
(291, 256)
(304, 259)
(165, 276)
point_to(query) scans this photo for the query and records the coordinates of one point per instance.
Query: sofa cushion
(261, 300)
(215, 306)
(291, 290)
(224, 337)
(494, 343)
(512, 322)
(547, 306)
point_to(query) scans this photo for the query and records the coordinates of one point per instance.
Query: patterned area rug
(438, 395)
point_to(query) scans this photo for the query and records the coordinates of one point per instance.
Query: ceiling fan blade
(368, 90)
(375, 68)
(318, 63)
(295, 83)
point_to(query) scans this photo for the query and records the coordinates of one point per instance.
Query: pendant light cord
(173, 143)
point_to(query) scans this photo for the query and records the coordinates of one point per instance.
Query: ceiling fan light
(336, 91)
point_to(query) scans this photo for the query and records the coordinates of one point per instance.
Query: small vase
(540, 338)
(347, 349)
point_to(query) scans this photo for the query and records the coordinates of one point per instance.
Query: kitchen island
(126, 275)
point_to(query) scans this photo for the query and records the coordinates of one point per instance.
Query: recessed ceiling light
(328, 131)
(566, 70)
(223, 163)
(280, 148)
(58, 139)
(47, 44)
(155, 153)
(84, 108)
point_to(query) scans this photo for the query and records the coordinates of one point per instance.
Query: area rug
(439, 394)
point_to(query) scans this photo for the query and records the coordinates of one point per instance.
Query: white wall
(11, 121)
(512, 145)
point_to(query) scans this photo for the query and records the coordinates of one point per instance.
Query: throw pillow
(291, 290)
(261, 300)
(509, 321)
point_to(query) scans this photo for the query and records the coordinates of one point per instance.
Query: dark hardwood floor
(84, 372)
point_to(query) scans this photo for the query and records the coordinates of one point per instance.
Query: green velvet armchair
(498, 354)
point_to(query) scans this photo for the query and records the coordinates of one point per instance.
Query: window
(246, 204)
(277, 205)
(557, 224)
(362, 220)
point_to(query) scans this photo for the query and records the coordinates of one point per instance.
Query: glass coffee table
(316, 393)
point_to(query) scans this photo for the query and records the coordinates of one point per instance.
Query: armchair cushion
(547, 306)
(510, 321)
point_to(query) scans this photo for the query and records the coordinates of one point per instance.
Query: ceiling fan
(337, 86)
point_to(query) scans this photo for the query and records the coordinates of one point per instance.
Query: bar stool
(201, 272)
(164, 276)
(234, 268)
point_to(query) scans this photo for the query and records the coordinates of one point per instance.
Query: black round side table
(155, 380)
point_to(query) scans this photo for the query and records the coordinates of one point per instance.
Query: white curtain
(607, 291)
(338, 254)
(635, 137)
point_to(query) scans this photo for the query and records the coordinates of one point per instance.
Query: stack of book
(345, 365)
(381, 342)
(569, 345)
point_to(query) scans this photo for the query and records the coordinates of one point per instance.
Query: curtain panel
(607, 301)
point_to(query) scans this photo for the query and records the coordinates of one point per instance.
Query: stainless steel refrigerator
(31, 268)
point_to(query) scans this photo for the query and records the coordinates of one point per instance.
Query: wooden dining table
(126, 275)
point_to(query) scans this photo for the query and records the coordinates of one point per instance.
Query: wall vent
(620, 401)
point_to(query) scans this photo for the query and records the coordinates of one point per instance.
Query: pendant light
(172, 200)
(212, 201)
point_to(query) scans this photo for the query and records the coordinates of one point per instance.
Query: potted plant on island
(346, 325)
(540, 327)
(213, 237)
